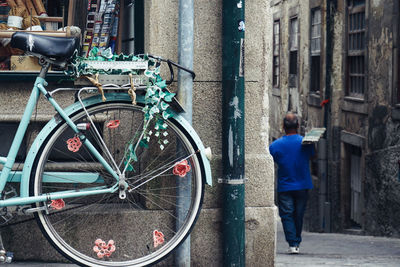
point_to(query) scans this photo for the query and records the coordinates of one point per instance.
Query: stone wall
(382, 202)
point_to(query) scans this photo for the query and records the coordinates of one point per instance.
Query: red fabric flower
(181, 168)
(102, 249)
(57, 204)
(112, 124)
(74, 144)
(158, 238)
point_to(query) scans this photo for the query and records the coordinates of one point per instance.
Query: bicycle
(107, 179)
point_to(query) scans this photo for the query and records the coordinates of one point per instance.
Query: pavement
(326, 249)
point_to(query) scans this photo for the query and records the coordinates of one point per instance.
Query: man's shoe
(293, 250)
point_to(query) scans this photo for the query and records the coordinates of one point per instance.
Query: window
(113, 23)
(276, 53)
(356, 49)
(315, 50)
(293, 48)
(104, 28)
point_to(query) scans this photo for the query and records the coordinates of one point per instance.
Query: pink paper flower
(112, 124)
(158, 238)
(104, 249)
(74, 144)
(57, 204)
(181, 168)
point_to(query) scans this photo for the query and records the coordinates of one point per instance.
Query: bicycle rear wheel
(153, 219)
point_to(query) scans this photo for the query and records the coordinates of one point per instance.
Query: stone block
(256, 119)
(255, 40)
(207, 40)
(260, 184)
(26, 241)
(206, 239)
(212, 194)
(207, 114)
(163, 37)
(261, 236)
(260, 228)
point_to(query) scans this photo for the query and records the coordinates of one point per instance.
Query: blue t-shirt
(293, 162)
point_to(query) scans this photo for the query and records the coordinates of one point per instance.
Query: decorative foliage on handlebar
(156, 109)
(157, 97)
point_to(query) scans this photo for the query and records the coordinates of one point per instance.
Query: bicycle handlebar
(171, 70)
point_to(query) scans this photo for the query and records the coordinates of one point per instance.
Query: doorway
(352, 191)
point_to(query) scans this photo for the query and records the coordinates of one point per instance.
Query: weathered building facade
(335, 63)
(160, 33)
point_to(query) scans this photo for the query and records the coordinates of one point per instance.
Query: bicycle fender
(76, 107)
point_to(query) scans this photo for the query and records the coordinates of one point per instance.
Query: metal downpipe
(185, 88)
(233, 28)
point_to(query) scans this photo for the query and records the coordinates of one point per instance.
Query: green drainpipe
(233, 132)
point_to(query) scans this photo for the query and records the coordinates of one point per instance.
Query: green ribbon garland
(157, 96)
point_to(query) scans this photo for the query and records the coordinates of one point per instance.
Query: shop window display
(98, 23)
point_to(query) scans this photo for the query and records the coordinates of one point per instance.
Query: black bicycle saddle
(49, 46)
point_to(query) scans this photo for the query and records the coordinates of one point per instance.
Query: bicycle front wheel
(163, 198)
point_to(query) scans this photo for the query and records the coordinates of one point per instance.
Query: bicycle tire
(132, 222)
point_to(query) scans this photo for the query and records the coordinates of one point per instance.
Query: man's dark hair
(290, 122)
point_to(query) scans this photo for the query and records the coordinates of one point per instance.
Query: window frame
(356, 59)
(293, 52)
(276, 67)
(315, 88)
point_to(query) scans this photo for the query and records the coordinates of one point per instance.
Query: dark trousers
(292, 205)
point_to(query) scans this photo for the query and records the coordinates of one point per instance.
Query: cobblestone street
(339, 250)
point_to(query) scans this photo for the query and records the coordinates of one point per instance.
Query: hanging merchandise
(101, 26)
(107, 26)
(89, 30)
(114, 33)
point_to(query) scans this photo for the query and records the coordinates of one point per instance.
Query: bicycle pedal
(37, 209)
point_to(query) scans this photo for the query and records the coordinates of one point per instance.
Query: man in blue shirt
(294, 179)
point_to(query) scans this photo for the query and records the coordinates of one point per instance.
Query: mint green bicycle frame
(8, 162)
(24, 177)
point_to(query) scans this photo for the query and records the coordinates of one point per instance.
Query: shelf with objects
(101, 24)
